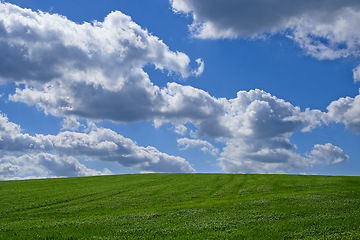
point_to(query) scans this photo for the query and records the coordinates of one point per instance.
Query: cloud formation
(60, 63)
(256, 128)
(95, 71)
(42, 47)
(328, 153)
(356, 74)
(121, 92)
(261, 127)
(237, 158)
(325, 29)
(96, 144)
(206, 147)
(43, 165)
(347, 111)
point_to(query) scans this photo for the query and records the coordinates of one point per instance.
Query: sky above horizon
(138, 86)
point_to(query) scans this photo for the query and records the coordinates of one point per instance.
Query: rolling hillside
(199, 206)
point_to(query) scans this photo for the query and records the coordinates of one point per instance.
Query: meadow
(182, 206)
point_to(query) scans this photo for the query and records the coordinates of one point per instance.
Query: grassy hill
(199, 206)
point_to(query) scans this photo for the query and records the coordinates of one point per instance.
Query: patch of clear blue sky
(275, 65)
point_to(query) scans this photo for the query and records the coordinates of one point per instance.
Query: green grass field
(184, 206)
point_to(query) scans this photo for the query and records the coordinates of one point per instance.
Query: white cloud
(356, 74)
(207, 147)
(134, 103)
(181, 129)
(244, 157)
(189, 104)
(98, 144)
(107, 145)
(313, 119)
(62, 63)
(259, 115)
(43, 165)
(95, 71)
(347, 111)
(201, 67)
(328, 37)
(92, 70)
(90, 91)
(42, 47)
(70, 123)
(261, 127)
(328, 154)
(259, 121)
(254, 126)
(260, 124)
(325, 29)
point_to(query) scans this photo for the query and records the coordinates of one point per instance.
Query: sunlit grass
(199, 206)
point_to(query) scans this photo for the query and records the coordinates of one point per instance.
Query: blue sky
(112, 87)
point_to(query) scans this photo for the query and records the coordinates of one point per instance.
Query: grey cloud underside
(253, 17)
(24, 68)
(95, 71)
(324, 29)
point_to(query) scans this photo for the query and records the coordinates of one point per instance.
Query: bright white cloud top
(96, 72)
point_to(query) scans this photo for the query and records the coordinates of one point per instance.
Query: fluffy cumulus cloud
(356, 74)
(328, 153)
(347, 111)
(207, 147)
(60, 63)
(181, 129)
(261, 127)
(95, 71)
(259, 115)
(42, 47)
(237, 157)
(54, 155)
(325, 29)
(260, 124)
(70, 123)
(256, 128)
(43, 165)
(188, 104)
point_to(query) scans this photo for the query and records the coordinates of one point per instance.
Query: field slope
(199, 206)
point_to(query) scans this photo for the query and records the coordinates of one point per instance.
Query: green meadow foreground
(199, 206)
